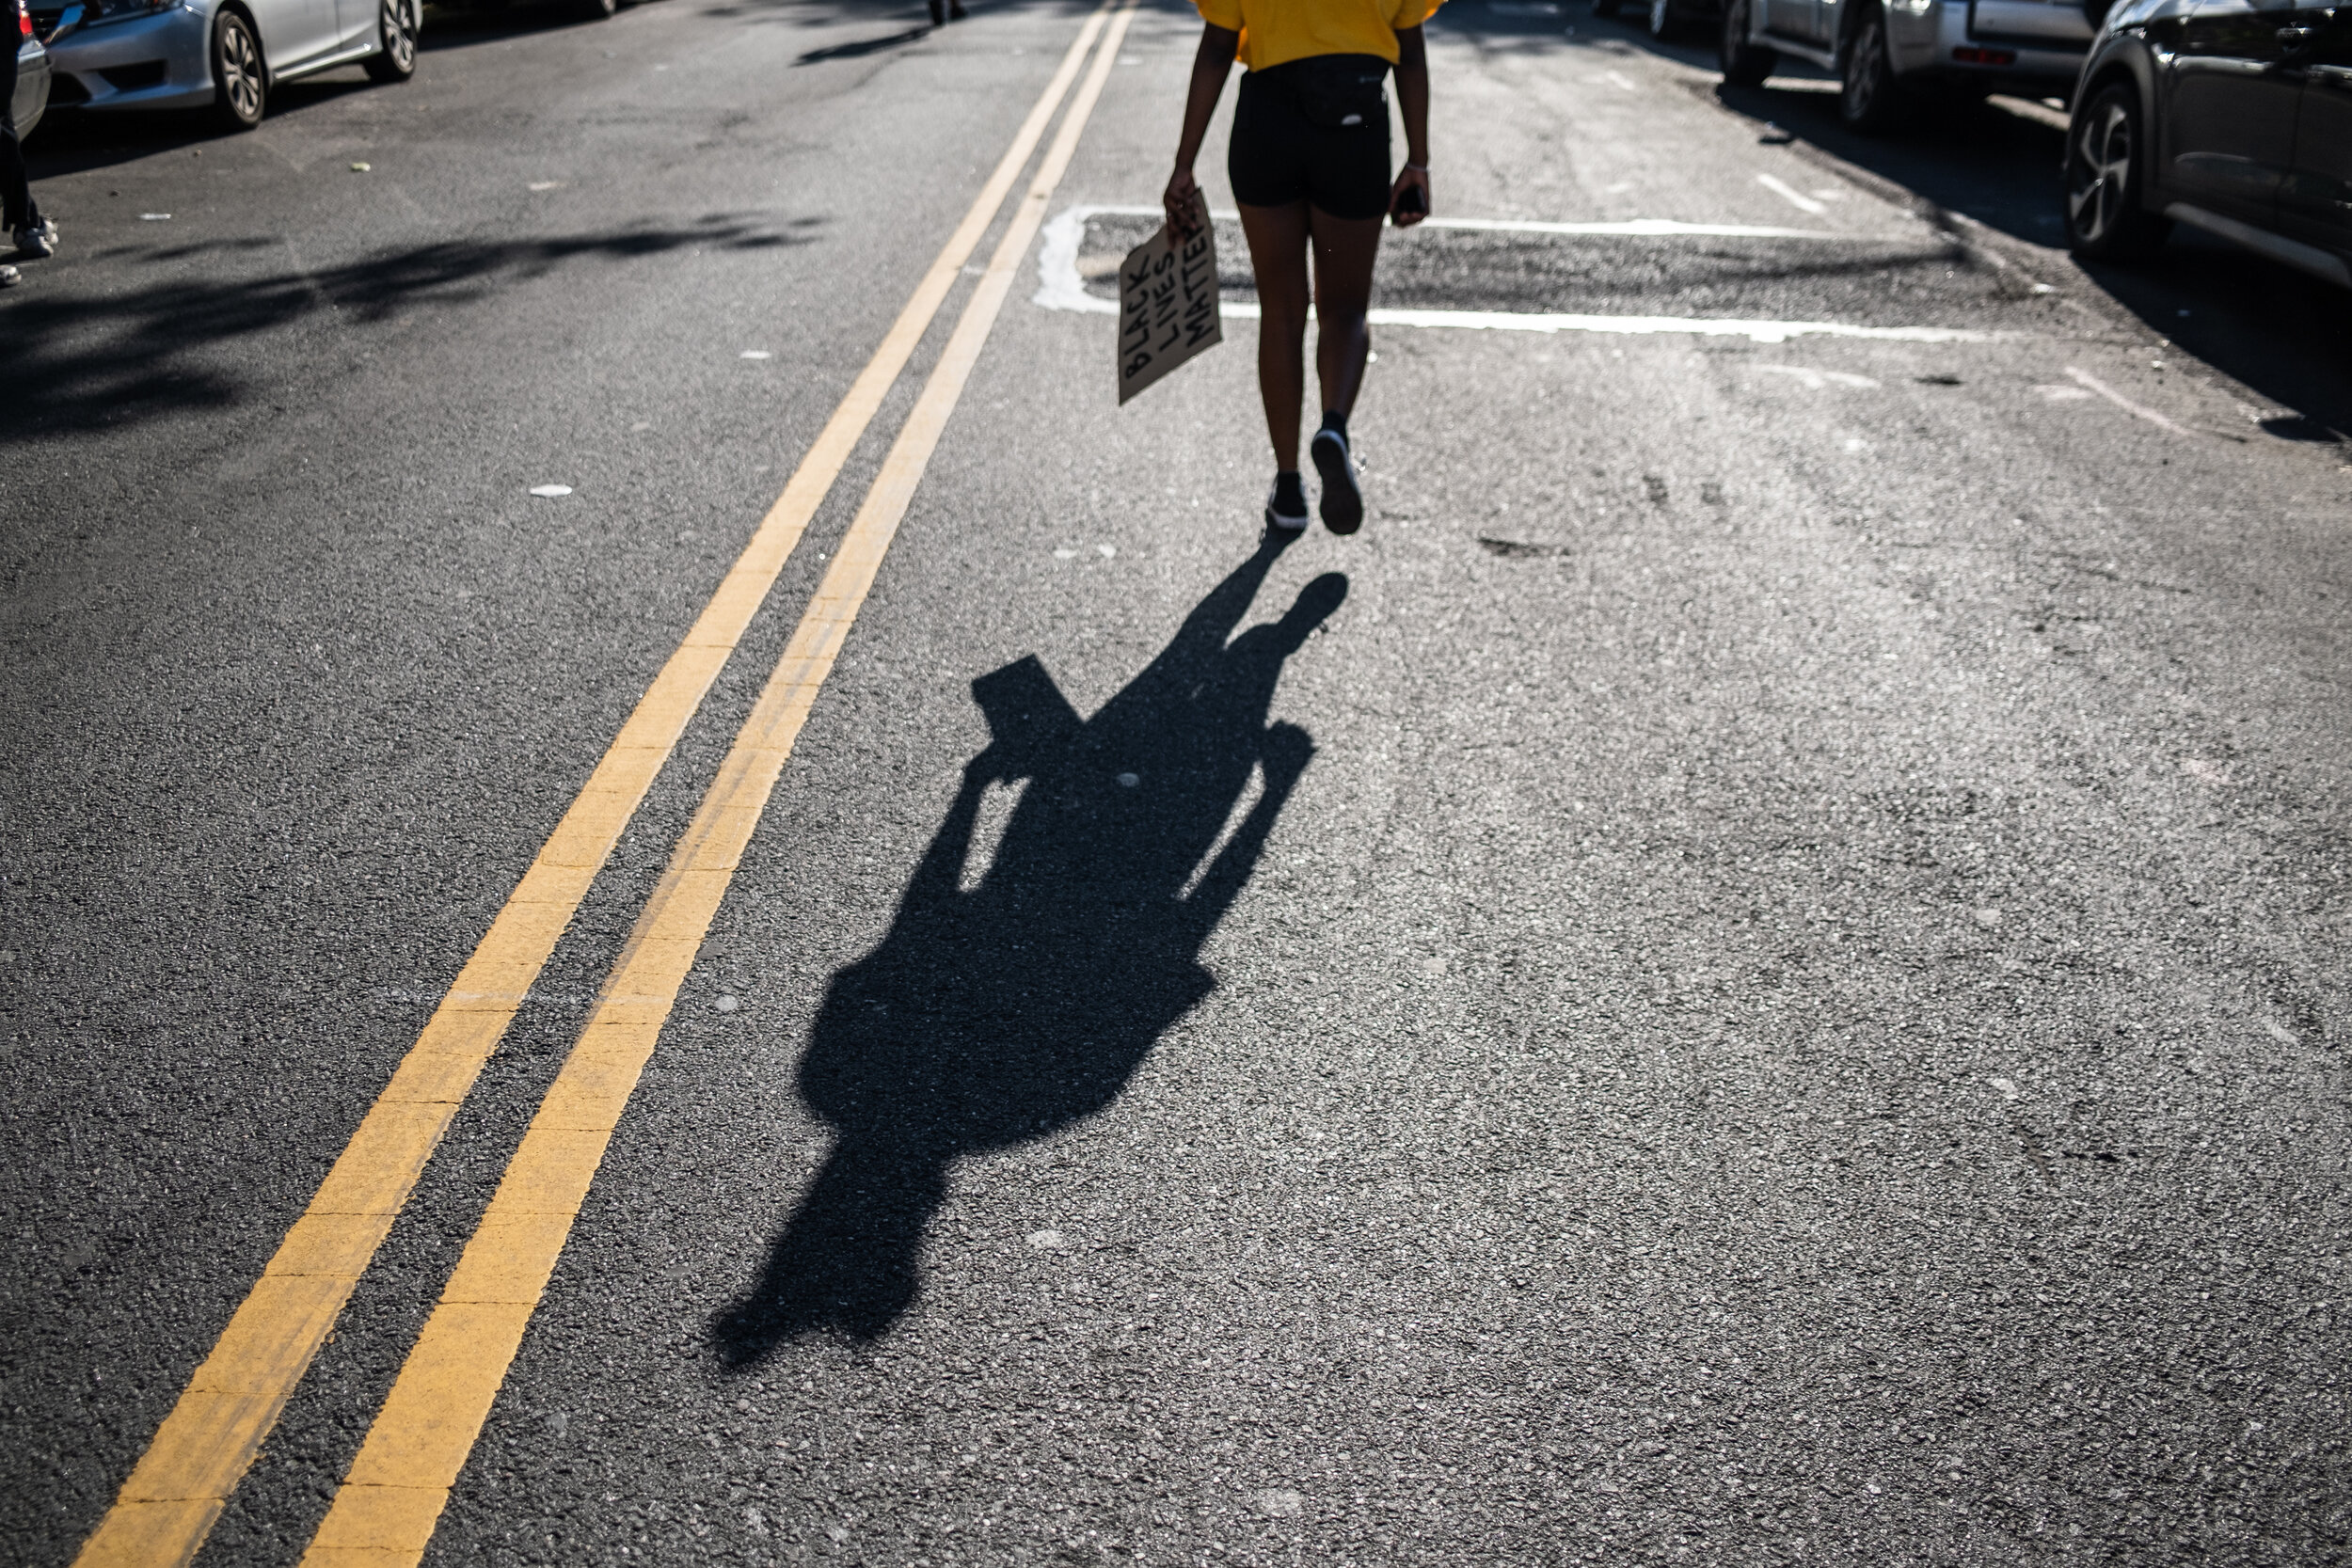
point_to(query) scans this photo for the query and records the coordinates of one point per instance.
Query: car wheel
(239, 81)
(1664, 23)
(2106, 175)
(1868, 98)
(397, 25)
(596, 10)
(1744, 64)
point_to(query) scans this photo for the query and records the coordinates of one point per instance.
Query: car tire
(2106, 181)
(1869, 99)
(596, 10)
(240, 77)
(1664, 23)
(1744, 64)
(397, 25)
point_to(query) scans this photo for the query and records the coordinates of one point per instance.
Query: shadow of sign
(994, 1012)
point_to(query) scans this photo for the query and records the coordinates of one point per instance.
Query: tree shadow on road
(101, 361)
(995, 1012)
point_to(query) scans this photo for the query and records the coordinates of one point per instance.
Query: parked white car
(224, 54)
(1885, 52)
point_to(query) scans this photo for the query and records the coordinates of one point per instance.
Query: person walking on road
(35, 238)
(1308, 164)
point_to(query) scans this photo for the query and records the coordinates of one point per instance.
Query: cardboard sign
(1167, 305)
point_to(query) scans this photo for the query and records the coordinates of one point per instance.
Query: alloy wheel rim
(240, 70)
(400, 32)
(2105, 155)
(1862, 82)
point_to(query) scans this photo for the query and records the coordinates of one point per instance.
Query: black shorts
(1278, 156)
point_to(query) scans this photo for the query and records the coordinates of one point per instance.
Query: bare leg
(1278, 255)
(1344, 249)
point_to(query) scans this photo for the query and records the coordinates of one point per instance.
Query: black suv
(2234, 116)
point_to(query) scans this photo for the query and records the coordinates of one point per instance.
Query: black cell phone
(1409, 201)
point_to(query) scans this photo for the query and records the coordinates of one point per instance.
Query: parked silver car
(32, 82)
(224, 54)
(1885, 50)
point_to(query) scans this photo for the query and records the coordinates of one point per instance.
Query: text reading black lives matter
(1167, 305)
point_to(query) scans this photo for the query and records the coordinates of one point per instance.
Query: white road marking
(550, 492)
(1789, 193)
(1061, 288)
(1072, 224)
(1817, 380)
(1621, 79)
(1638, 227)
(756, 353)
(2063, 394)
(2086, 378)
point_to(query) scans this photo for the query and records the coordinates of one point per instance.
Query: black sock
(1290, 494)
(1335, 420)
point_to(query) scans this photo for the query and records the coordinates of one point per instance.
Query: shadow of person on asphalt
(990, 1017)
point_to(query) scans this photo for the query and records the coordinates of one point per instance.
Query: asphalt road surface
(1754, 972)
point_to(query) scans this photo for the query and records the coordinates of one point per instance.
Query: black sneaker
(1342, 502)
(1286, 504)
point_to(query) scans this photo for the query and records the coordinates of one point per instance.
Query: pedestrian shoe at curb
(39, 243)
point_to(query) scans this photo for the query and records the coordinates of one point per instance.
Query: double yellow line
(386, 1510)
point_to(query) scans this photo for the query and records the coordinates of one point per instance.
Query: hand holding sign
(1167, 303)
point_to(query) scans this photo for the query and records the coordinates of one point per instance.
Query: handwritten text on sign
(1167, 305)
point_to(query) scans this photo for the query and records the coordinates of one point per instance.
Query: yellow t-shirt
(1276, 31)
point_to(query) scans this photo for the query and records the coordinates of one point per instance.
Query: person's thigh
(1345, 249)
(1278, 255)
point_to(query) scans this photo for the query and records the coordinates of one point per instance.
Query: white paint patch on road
(1061, 288)
(1756, 331)
(756, 353)
(2054, 394)
(1819, 380)
(550, 492)
(1045, 1241)
(1790, 194)
(1634, 227)
(2086, 378)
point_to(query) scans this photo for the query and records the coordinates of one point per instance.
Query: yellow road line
(206, 1445)
(385, 1511)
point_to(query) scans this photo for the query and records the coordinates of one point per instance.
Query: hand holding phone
(1409, 203)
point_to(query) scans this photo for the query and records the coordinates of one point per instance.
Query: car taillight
(1985, 56)
(24, 23)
